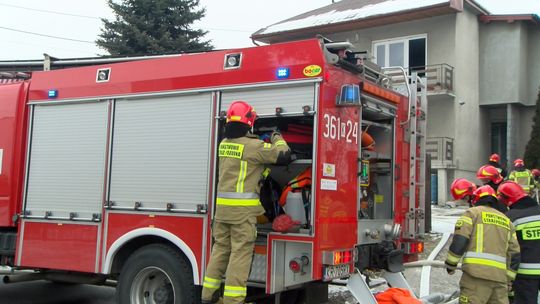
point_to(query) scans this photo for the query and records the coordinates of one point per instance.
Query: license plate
(331, 272)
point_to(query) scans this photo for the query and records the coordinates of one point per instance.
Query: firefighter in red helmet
(489, 175)
(485, 239)
(522, 176)
(462, 189)
(242, 160)
(525, 215)
(495, 161)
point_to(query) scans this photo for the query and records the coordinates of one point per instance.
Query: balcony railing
(440, 77)
(441, 150)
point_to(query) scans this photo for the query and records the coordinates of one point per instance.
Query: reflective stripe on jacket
(241, 165)
(486, 240)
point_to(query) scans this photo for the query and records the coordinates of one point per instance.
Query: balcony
(440, 78)
(441, 150)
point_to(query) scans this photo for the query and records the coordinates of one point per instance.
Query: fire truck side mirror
(349, 95)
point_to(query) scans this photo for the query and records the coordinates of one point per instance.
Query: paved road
(44, 292)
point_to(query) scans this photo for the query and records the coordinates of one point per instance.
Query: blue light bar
(282, 73)
(53, 93)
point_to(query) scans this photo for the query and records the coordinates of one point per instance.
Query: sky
(68, 28)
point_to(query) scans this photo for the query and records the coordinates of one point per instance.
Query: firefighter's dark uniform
(525, 214)
(241, 164)
(486, 240)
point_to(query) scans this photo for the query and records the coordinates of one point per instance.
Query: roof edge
(452, 5)
(511, 18)
(479, 8)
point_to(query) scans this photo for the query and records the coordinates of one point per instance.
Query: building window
(498, 140)
(408, 52)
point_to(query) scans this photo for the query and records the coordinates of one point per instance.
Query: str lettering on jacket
(532, 233)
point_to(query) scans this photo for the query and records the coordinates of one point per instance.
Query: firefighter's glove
(265, 137)
(450, 268)
(275, 133)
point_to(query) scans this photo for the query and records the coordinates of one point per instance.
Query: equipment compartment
(298, 133)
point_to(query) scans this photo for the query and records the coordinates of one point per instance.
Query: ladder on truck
(416, 125)
(417, 128)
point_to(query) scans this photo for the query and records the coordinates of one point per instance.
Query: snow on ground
(443, 221)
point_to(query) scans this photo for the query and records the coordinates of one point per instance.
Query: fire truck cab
(109, 172)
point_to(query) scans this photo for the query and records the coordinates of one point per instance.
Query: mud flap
(359, 289)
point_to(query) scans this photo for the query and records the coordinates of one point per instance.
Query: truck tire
(156, 274)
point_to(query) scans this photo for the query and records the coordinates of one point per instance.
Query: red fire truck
(108, 172)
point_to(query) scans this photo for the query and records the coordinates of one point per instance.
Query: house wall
(469, 128)
(510, 76)
(503, 63)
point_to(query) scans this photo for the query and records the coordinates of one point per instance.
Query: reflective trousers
(231, 257)
(479, 291)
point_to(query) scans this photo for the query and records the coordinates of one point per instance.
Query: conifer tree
(532, 150)
(149, 27)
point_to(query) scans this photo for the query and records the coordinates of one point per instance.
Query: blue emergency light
(282, 73)
(350, 94)
(53, 93)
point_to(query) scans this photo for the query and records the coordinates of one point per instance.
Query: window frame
(403, 39)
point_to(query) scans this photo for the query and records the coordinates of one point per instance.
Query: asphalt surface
(44, 292)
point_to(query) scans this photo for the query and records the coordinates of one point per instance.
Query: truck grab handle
(408, 90)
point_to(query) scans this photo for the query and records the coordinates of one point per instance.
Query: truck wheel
(156, 274)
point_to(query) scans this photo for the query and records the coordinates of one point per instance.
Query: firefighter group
(497, 240)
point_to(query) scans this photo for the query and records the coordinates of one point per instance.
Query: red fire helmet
(510, 192)
(241, 111)
(535, 172)
(483, 192)
(461, 187)
(489, 173)
(519, 163)
(494, 158)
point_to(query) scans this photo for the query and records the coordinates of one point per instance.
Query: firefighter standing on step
(495, 161)
(522, 176)
(242, 159)
(486, 240)
(525, 215)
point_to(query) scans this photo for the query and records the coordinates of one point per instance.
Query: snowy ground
(443, 221)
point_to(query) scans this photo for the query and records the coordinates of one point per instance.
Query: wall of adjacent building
(503, 63)
(469, 126)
